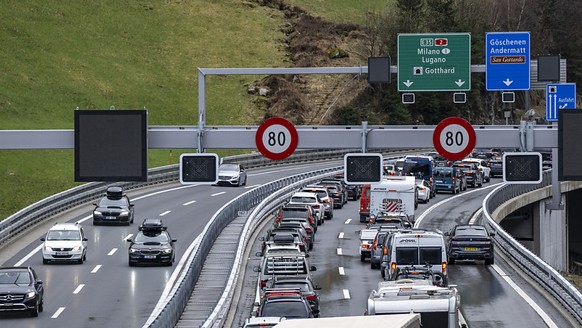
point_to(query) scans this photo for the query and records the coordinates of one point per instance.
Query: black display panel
(362, 168)
(549, 68)
(111, 145)
(378, 69)
(569, 150)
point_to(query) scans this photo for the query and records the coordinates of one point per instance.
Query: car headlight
(124, 213)
(77, 248)
(167, 250)
(31, 294)
(133, 250)
(98, 213)
(48, 249)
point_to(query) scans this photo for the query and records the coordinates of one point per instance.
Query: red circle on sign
(285, 129)
(466, 129)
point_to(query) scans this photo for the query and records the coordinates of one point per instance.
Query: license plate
(439, 181)
(471, 249)
(62, 253)
(149, 257)
(110, 218)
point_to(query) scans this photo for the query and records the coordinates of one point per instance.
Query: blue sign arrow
(507, 62)
(559, 96)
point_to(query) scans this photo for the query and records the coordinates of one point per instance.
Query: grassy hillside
(60, 55)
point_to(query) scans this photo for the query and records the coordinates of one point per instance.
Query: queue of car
(287, 289)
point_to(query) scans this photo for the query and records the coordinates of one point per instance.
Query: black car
(340, 184)
(114, 208)
(354, 192)
(470, 242)
(496, 166)
(304, 283)
(152, 244)
(21, 290)
(290, 304)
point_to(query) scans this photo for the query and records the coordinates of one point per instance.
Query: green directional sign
(434, 62)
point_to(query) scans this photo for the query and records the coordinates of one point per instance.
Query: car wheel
(130, 263)
(41, 306)
(45, 261)
(383, 274)
(451, 261)
(84, 257)
(362, 258)
(490, 261)
(34, 311)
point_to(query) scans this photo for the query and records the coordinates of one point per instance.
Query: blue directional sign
(507, 62)
(559, 96)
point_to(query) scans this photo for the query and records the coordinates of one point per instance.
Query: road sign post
(454, 138)
(276, 138)
(559, 96)
(507, 61)
(434, 62)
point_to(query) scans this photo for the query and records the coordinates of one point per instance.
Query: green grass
(340, 11)
(60, 55)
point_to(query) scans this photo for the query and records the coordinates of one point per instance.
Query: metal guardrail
(546, 276)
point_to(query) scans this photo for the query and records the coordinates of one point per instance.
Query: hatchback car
(114, 208)
(21, 290)
(64, 242)
(231, 174)
(290, 304)
(305, 285)
(423, 190)
(328, 202)
(152, 244)
(470, 242)
(309, 198)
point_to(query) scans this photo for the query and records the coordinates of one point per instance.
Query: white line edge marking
(339, 251)
(58, 313)
(78, 289)
(190, 202)
(346, 294)
(218, 193)
(29, 255)
(528, 299)
(127, 237)
(165, 213)
(112, 252)
(348, 221)
(341, 235)
(96, 268)
(341, 271)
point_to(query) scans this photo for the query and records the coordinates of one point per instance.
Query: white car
(232, 175)
(423, 190)
(483, 167)
(64, 242)
(312, 199)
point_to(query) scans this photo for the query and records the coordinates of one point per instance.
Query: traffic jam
(412, 262)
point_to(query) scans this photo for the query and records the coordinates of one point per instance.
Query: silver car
(232, 175)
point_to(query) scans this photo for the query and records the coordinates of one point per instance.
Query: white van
(416, 248)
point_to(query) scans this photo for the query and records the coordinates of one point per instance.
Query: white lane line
(348, 221)
(128, 237)
(254, 186)
(166, 212)
(112, 252)
(476, 215)
(341, 235)
(58, 313)
(528, 299)
(339, 251)
(341, 271)
(78, 289)
(96, 268)
(218, 193)
(188, 203)
(347, 294)
(29, 255)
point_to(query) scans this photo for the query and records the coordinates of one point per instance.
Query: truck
(395, 194)
(404, 320)
(438, 306)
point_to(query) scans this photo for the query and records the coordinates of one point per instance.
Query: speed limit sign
(454, 138)
(276, 138)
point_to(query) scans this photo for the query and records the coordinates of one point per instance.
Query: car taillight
(263, 283)
(315, 206)
(385, 251)
(444, 267)
(308, 229)
(393, 266)
(311, 297)
(375, 244)
(328, 200)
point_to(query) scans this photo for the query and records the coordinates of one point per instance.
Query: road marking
(528, 299)
(218, 193)
(255, 186)
(339, 251)
(341, 271)
(476, 216)
(128, 237)
(166, 212)
(96, 268)
(112, 252)
(347, 294)
(78, 289)
(190, 202)
(348, 221)
(29, 255)
(58, 313)
(341, 235)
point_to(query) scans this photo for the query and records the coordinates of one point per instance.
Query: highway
(106, 292)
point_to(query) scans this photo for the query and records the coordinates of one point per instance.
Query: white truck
(404, 320)
(438, 306)
(395, 194)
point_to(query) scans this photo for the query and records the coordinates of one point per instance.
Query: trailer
(395, 194)
(407, 320)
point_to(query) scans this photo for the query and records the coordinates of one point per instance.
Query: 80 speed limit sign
(276, 138)
(454, 138)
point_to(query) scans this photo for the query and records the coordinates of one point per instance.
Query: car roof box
(283, 238)
(152, 224)
(114, 192)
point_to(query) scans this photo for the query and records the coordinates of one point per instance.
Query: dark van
(446, 180)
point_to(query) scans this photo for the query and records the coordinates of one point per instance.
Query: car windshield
(63, 235)
(108, 202)
(228, 167)
(471, 231)
(306, 200)
(290, 309)
(151, 237)
(14, 277)
(294, 214)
